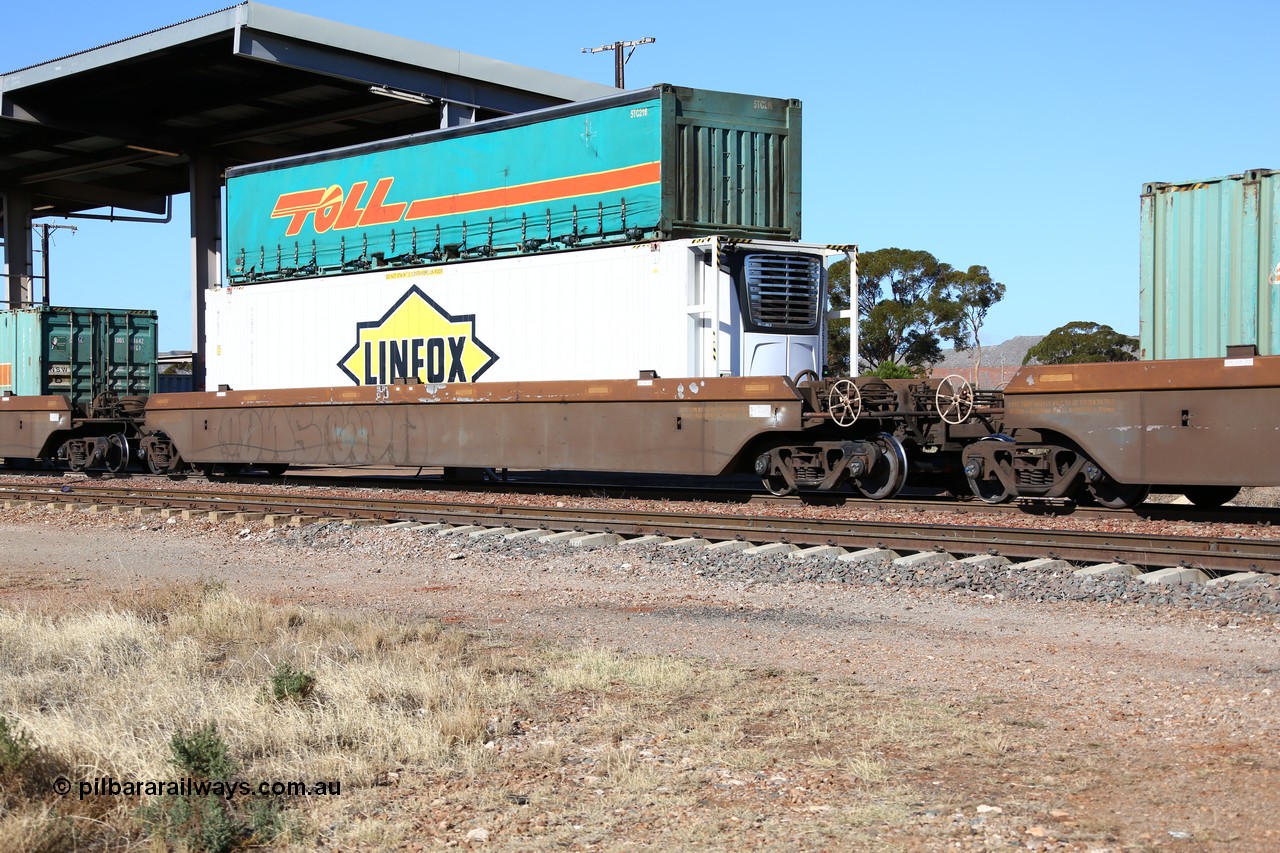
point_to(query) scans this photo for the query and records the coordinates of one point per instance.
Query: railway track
(1209, 553)
(747, 492)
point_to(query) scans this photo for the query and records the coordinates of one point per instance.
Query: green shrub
(288, 682)
(16, 748)
(210, 822)
(892, 370)
(266, 819)
(203, 754)
(198, 823)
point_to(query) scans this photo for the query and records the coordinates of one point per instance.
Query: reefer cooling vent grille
(783, 290)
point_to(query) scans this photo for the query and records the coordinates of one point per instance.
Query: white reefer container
(706, 306)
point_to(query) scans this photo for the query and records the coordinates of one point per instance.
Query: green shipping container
(1210, 266)
(77, 352)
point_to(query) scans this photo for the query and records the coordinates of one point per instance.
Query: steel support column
(206, 218)
(17, 248)
(454, 115)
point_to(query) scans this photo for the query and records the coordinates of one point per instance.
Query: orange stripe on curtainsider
(539, 191)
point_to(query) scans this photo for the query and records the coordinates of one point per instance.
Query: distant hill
(999, 361)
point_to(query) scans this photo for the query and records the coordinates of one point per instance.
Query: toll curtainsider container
(696, 307)
(77, 352)
(663, 162)
(1210, 267)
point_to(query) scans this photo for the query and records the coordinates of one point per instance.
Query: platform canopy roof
(117, 125)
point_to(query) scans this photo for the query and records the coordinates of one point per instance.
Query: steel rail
(1217, 554)
(744, 495)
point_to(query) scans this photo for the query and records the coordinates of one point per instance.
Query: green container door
(131, 346)
(732, 164)
(1210, 267)
(78, 352)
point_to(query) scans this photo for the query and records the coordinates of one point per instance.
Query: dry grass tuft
(437, 732)
(102, 693)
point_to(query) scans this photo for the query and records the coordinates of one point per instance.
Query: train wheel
(775, 472)
(116, 457)
(844, 402)
(276, 470)
(1210, 496)
(776, 485)
(1113, 495)
(889, 473)
(988, 489)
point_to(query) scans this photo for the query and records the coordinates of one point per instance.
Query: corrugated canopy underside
(117, 125)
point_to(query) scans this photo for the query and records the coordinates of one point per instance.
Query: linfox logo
(417, 338)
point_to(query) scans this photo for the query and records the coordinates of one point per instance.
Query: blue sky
(1013, 135)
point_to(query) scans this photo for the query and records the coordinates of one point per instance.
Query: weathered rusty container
(663, 162)
(77, 352)
(1210, 267)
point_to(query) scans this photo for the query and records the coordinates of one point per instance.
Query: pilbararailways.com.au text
(109, 786)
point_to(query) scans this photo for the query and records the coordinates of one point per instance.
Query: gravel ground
(1175, 695)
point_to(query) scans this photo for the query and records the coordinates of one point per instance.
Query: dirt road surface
(1155, 726)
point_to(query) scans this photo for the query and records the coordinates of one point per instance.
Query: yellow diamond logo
(417, 339)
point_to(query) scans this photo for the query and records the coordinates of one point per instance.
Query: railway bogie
(886, 434)
(53, 430)
(821, 466)
(1113, 433)
(160, 453)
